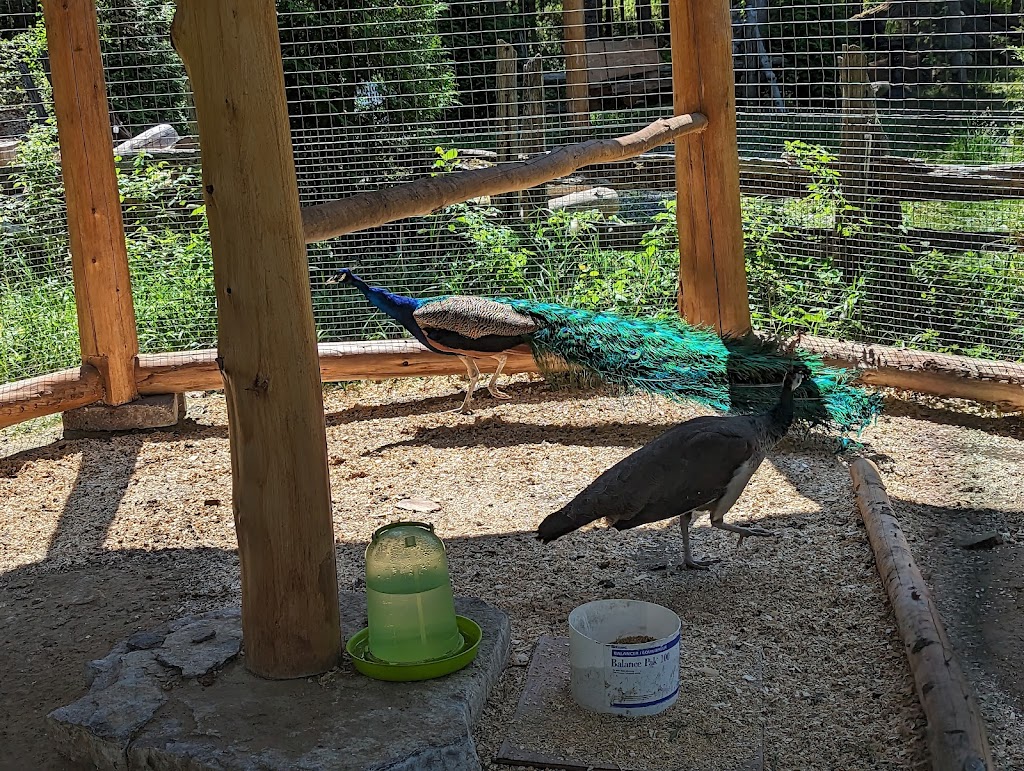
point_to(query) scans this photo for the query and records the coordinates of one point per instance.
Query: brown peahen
(671, 358)
(703, 464)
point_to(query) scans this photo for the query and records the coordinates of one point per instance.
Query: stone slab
(146, 412)
(179, 697)
(546, 700)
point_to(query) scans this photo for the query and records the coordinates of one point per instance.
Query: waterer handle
(380, 530)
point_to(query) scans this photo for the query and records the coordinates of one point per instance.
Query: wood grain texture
(426, 195)
(957, 739)
(577, 86)
(712, 272)
(49, 394)
(99, 259)
(266, 339)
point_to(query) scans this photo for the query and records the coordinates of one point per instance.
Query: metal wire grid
(374, 90)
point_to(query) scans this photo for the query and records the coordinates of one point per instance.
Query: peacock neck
(395, 305)
(782, 413)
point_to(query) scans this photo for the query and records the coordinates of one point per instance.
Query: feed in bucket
(624, 657)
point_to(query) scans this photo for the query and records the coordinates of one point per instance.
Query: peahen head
(341, 276)
(795, 377)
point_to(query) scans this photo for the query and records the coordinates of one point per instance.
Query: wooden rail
(997, 383)
(956, 732)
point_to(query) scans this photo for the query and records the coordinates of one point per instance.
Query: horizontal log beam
(49, 394)
(428, 194)
(998, 383)
(375, 360)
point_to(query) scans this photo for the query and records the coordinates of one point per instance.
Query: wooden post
(712, 274)
(577, 87)
(507, 117)
(532, 129)
(266, 340)
(956, 729)
(99, 259)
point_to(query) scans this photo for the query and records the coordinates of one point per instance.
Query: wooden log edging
(957, 739)
(49, 394)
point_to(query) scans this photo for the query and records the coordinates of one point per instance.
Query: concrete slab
(179, 697)
(146, 412)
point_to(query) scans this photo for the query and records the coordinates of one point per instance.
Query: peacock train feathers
(666, 357)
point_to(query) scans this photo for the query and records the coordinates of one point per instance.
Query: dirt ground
(101, 538)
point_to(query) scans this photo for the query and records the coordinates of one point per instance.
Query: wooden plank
(99, 259)
(577, 90)
(427, 195)
(49, 394)
(957, 738)
(266, 338)
(712, 272)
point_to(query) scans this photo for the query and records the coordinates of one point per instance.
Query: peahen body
(703, 464)
(670, 358)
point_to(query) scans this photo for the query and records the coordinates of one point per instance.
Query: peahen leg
(688, 561)
(492, 386)
(474, 375)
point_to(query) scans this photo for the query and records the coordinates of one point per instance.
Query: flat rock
(146, 412)
(179, 697)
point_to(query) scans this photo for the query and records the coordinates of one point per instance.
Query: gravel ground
(100, 538)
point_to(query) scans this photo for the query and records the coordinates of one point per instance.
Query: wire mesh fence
(879, 146)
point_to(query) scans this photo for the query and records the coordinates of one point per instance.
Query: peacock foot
(497, 394)
(746, 530)
(698, 564)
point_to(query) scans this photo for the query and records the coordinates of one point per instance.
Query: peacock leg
(474, 375)
(688, 561)
(492, 387)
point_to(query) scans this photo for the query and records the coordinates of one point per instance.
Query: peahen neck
(782, 412)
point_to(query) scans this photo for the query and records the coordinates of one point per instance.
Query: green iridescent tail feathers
(679, 361)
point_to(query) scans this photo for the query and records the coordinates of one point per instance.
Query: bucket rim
(579, 610)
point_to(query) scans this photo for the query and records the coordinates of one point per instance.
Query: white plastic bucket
(624, 678)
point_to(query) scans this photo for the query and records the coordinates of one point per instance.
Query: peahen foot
(497, 394)
(492, 386)
(749, 529)
(689, 563)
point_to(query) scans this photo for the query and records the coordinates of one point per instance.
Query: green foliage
(377, 68)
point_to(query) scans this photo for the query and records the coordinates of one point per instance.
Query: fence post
(712, 274)
(266, 339)
(577, 87)
(99, 259)
(507, 118)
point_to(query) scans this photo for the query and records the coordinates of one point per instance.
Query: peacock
(666, 357)
(703, 464)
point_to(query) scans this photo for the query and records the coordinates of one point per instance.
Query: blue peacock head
(341, 276)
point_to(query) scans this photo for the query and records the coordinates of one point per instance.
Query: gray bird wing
(685, 468)
(474, 317)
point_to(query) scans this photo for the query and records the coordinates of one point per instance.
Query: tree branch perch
(423, 196)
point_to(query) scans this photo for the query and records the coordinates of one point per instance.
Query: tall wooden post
(99, 260)
(577, 84)
(266, 339)
(712, 275)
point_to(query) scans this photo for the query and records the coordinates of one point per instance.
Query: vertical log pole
(507, 117)
(99, 259)
(267, 346)
(712, 274)
(577, 85)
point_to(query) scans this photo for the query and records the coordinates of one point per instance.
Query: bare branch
(423, 196)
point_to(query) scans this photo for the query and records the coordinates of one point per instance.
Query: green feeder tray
(425, 670)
